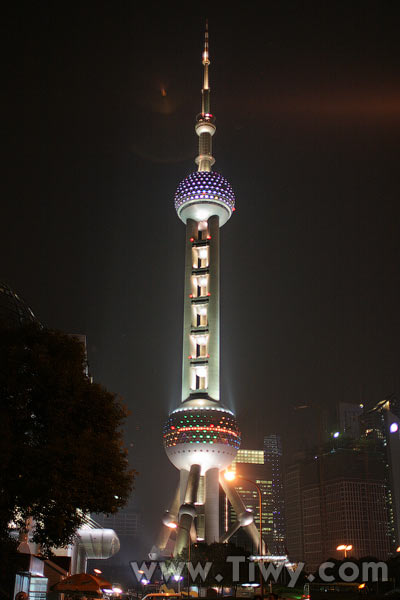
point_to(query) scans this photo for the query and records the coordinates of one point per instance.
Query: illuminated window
(199, 285)
(199, 345)
(200, 257)
(199, 377)
(199, 315)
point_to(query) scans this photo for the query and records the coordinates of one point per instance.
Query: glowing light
(394, 427)
(172, 525)
(201, 428)
(200, 339)
(229, 475)
(97, 571)
(117, 590)
(345, 547)
(336, 434)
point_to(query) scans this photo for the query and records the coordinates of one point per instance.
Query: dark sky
(307, 99)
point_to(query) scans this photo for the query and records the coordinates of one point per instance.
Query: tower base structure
(197, 517)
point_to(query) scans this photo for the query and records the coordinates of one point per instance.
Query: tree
(217, 554)
(61, 448)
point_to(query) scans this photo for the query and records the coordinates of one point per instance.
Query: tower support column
(187, 511)
(212, 505)
(183, 478)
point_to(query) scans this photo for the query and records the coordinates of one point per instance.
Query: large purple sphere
(208, 190)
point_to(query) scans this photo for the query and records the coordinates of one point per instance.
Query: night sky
(307, 100)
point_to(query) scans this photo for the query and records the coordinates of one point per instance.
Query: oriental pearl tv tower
(201, 437)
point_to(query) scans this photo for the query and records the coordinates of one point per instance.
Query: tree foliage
(61, 447)
(218, 554)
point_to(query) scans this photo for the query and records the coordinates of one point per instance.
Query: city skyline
(99, 108)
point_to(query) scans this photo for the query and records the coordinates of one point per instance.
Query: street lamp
(170, 522)
(231, 476)
(143, 580)
(178, 579)
(345, 548)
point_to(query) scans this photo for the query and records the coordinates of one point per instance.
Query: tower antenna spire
(206, 62)
(205, 127)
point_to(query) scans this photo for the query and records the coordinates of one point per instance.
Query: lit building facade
(201, 436)
(273, 458)
(250, 465)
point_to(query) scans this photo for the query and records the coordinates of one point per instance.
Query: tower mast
(205, 126)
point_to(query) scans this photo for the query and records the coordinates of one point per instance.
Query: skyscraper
(334, 498)
(381, 426)
(273, 458)
(250, 468)
(201, 436)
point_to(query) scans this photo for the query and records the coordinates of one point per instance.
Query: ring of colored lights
(206, 436)
(203, 194)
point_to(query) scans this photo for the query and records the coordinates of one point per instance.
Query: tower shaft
(201, 323)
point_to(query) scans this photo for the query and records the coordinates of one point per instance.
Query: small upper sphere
(204, 194)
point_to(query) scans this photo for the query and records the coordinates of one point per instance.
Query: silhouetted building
(381, 427)
(127, 523)
(339, 497)
(14, 312)
(349, 419)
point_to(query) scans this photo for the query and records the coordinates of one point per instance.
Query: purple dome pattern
(205, 186)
